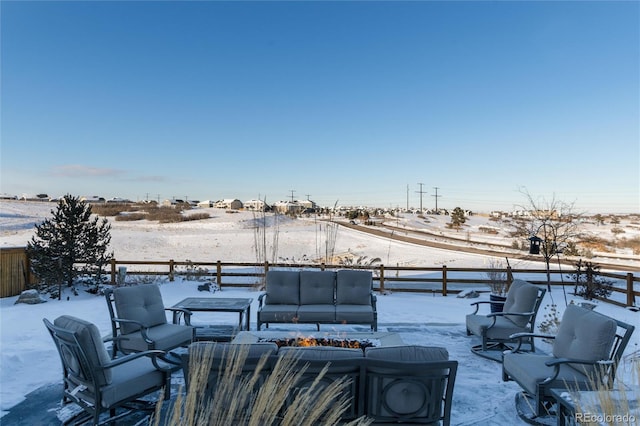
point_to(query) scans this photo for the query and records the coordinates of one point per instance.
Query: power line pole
(407, 197)
(421, 192)
(436, 197)
(292, 191)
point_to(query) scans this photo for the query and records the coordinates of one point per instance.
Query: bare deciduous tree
(556, 224)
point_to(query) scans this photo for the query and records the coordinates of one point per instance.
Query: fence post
(444, 280)
(219, 274)
(113, 271)
(171, 267)
(381, 278)
(631, 299)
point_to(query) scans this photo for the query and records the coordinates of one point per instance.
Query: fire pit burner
(325, 341)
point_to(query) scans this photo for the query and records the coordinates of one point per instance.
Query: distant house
(172, 202)
(233, 204)
(92, 199)
(205, 204)
(257, 205)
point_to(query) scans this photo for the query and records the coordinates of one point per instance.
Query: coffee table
(217, 304)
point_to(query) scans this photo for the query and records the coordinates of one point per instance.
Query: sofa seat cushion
(354, 313)
(317, 287)
(353, 287)
(165, 336)
(130, 380)
(530, 369)
(283, 288)
(320, 313)
(278, 313)
(585, 335)
(503, 328)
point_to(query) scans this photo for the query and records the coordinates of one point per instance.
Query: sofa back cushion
(409, 353)
(520, 298)
(585, 335)
(353, 287)
(283, 287)
(142, 303)
(317, 287)
(90, 341)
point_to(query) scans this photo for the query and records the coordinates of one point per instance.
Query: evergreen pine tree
(69, 245)
(457, 217)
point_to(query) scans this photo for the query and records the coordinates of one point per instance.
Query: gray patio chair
(518, 316)
(99, 384)
(139, 322)
(586, 351)
(412, 384)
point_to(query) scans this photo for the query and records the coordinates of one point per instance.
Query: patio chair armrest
(130, 357)
(154, 354)
(374, 300)
(481, 302)
(560, 361)
(143, 329)
(187, 314)
(261, 296)
(501, 314)
(128, 321)
(520, 337)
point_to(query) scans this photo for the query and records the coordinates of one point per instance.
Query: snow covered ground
(28, 358)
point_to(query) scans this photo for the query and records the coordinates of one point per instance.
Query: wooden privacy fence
(14, 271)
(443, 280)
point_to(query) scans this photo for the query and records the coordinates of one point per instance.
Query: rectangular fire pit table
(217, 304)
(378, 338)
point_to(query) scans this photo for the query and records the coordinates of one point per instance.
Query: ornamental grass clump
(261, 397)
(611, 408)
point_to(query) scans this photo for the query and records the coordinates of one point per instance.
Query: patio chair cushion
(585, 335)
(530, 369)
(353, 287)
(283, 288)
(164, 336)
(520, 298)
(142, 303)
(91, 342)
(502, 329)
(131, 379)
(317, 287)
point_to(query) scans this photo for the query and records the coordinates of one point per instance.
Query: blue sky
(348, 102)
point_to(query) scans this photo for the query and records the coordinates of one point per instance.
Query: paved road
(422, 238)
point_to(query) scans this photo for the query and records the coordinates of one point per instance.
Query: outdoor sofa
(390, 384)
(318, 297)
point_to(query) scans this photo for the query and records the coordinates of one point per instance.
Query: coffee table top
(218, 304)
